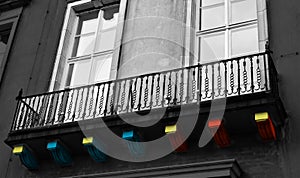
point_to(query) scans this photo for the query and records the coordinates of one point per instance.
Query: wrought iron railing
(234, 77)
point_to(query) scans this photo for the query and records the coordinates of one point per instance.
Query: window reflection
(244, 41)
(243, 10)
(212, 47)
(212, 17)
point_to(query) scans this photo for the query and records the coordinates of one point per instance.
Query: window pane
(210, 2)
(244, 40)
(212, 47)
(212, 17)
(109, 23)
(83, 45)
(80, 73)
(106, 41)
(243, 10)
(101, 68)
(88, 23)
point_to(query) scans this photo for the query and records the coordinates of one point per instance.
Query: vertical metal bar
(86, 102)
(188, 86)
(151, 95)
(213, 81)
(140, 95)
(163, 94)
(239, 77)
(252, 75)
(175, 89)
(266, 72)
(96, 102)
(107, 97)
(57, 100)
(75, 105)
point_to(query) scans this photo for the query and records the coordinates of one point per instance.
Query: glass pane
(243, 10)
(80, 74)
(106, 41)
(212, 47)
(210, 2)
(83, 45)
(109, 23)
(244, 41)
(88, 23)
(212, 17)
(101, 68)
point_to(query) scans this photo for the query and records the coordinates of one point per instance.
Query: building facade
(149, 88)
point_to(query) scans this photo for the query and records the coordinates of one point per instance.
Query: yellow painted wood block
(18, 149)
(259, 117)
(170, 129)
(88, 140)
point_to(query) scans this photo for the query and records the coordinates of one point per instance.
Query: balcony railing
(234, 77)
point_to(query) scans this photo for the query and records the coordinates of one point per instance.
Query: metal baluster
(181, 89)
(219, 81)
(129, 100)
(70, 106)
(245, 76)
(225, 82)
(27, 116)
(107, 98)
(134, 94)
(50, 109)
(63, 106)
(266, 73)
(200, 83)
(188, 86)
(96, 102)
(140, 94)
(193, 84)
(112, 99)
(163, 94)
(75, 105)
(258, 74)
(157, 91)
(44, 107)
(169, 90)
(231, 79)
(206, 82)
(252, 77)
(86, 103)
(146, 93)
(91, 103)
(118, 95)
(175, 89)
(151, 95)
(123, 97)
(101, 101)
(56, 105)
(80, 103)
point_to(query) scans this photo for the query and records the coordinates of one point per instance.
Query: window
(229, 28)
(8, 25)
(87, 45)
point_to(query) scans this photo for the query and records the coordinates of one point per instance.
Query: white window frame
(64, 51)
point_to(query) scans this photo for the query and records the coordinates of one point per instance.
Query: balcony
(248, 83)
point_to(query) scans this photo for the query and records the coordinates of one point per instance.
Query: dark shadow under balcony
(248, 84)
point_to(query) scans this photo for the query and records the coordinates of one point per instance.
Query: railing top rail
(145, 75)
